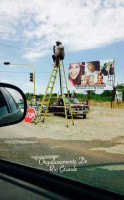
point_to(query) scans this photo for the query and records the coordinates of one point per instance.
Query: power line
(20, 48)
(25, 72)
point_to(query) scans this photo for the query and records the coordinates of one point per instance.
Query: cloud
(79, 24)
(119, 80)
(6, 81)
(1, 61)
(32, 55)
(29, 87)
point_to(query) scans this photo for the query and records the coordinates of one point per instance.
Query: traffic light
(32, 77)
(7, 63)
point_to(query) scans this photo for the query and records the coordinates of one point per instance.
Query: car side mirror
(13, 105)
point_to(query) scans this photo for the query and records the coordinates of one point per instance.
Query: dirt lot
(102, 123)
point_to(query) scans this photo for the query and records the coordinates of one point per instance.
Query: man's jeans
(56, 58)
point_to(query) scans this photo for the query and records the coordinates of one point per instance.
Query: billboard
(92, 75)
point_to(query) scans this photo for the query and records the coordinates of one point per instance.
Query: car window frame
(4, 100)
(6, 94)
(6, 85)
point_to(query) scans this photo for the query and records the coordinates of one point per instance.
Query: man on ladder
(59, 53)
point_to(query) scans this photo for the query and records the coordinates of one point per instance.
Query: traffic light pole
(34, 84)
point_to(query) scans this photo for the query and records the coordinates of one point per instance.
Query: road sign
(30, 115)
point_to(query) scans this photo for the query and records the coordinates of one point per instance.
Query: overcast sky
(89, 29)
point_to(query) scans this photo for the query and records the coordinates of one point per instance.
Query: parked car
(43, 107)
(37, 107)
(21, 106)
(78, 108)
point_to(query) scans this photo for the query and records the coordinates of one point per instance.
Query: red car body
(77, 107)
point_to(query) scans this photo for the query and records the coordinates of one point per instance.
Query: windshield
(80, 137)
(72, 101)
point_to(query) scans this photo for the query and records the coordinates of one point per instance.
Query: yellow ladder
(65, 86)
(50, 86)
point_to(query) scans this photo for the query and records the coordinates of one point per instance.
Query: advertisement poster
(92, 75)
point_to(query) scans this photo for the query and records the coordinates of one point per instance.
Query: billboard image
(92, 75)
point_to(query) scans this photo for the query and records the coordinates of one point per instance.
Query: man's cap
(58, 42)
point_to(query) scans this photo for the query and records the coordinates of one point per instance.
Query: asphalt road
(96, 141)
(27, 143)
